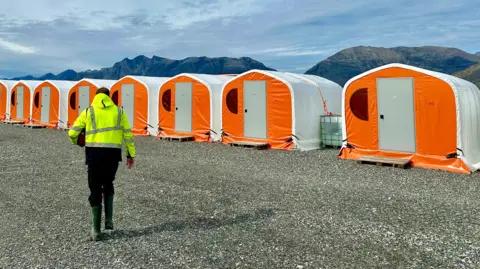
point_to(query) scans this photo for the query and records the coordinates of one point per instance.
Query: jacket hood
(102, 100)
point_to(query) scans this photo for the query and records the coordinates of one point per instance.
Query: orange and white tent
(49, 105)
(401, 111)
(5, 87)
(281, 109)
(21, 99)
(81, 96)
(138, 96)
(190, 105)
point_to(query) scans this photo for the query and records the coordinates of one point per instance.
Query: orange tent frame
(5, 89)
(279, 112)
(204, 90)
(141, 102)
(435, 116)
(73, 99)
(57, 109)
(3, 101)
(27, 101)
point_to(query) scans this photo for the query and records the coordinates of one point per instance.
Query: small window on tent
(232, 101)
(12, 98)
(36, 99)
(115, 98)
(167, 100)
(73, 100)
(359, 104)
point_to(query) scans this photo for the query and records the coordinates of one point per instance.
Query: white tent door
(83, 98)
(45, 111)
(20, 102)
(128, 102)
(396, 114)
(255, 109)
(183, 107)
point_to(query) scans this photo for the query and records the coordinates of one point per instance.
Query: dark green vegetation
(203, 205)
(339, 67)
(471, 74)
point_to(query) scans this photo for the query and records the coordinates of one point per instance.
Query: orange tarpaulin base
(416, 160)
(140, 132)
(198, 136)
(273, 144)
(12, 119)
(47, 125)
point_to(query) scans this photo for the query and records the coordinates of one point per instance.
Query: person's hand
(130, 163)
(81, 140)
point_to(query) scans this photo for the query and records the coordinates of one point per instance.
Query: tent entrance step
(13, 122)
(383, 161)
(178, 138)
(254, 145)
(34, 126)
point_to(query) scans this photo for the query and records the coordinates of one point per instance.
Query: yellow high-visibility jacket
(105, 125)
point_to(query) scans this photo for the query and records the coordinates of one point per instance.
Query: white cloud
(103, 15)
(299, 50)
(53, 35)
(16, 47)
(182, 15)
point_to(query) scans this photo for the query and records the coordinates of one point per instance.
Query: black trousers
(100, 181)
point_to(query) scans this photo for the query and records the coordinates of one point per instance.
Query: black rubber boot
(96, 223)
(109, 212)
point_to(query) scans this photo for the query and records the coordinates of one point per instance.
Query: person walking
(101, 129)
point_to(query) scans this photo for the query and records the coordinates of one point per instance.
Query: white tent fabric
(64, 87)
(307, 104)
(107, 83)
(329, 90)
(153, 85)
(214, 84)
(467, 100)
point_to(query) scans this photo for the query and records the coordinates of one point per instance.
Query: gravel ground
(200, 205)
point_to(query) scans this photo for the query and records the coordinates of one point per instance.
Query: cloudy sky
(43, 36)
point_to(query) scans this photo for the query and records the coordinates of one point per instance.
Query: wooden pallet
(383, 161)
(177, 138)
(13, 122)
(253, 145)
(34, 126)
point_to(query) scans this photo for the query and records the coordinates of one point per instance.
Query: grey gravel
(203, 205)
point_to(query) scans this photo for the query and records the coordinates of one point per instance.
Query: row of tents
(253, 107)
(394, 111)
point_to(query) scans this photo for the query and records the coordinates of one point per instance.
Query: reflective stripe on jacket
(105, 125)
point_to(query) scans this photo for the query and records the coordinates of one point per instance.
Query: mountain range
(471, 74)
(159, 67)
(350, 62)
(339, 67)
